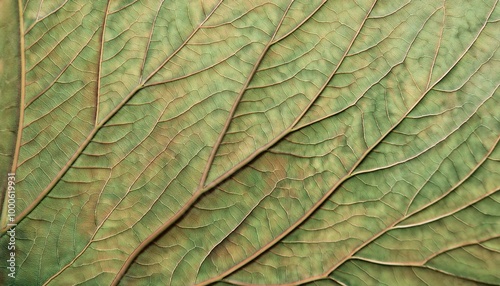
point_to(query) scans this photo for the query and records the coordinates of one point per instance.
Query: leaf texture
(253, 142)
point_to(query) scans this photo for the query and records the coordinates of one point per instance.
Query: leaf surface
(253, 142)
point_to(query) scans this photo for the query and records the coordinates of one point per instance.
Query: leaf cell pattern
(307, 142)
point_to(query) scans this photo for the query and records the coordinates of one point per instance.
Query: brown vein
(99, 69)
(22, 91)
(427, 259)
(437, 47)
(149, 40)
(22, 88)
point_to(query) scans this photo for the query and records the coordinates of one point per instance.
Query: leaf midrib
(22, 91)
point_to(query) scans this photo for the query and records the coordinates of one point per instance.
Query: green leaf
(251, 142)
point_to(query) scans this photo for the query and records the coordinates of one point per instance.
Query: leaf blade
(259, 142)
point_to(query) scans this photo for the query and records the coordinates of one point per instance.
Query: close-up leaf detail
(251, 142)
